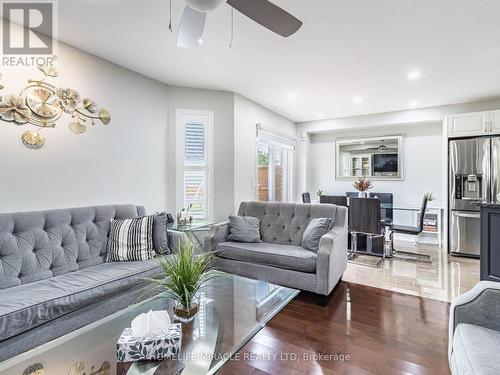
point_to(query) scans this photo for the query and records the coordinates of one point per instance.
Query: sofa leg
(321, 300)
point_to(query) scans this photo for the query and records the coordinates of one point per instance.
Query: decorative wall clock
(41, 104)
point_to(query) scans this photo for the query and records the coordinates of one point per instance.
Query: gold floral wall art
(41, 104)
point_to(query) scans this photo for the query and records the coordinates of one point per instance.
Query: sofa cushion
(284, 223)
(43, 244)
(281, 256)
(131, 239)
(33, 304)
(160, 235)
(475, 350)
(244, 229)
(313, 233)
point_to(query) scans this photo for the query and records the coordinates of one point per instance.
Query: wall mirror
(377, 158)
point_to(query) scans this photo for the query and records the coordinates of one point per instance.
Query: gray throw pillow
(160, 237)
(244, 229)
(312, 234)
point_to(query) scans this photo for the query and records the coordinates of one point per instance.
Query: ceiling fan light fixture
(382, 147)
(204, 5)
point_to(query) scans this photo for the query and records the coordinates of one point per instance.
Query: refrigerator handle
(487, 165)
(495, 168)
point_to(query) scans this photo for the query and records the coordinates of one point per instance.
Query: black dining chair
(306, 197)
(364, 219)
(339, 200)
(415, 231)
(386, 201)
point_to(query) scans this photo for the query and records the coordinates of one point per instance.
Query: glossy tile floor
(444, 279)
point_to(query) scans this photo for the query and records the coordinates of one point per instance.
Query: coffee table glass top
(194, 226)
(232, 310)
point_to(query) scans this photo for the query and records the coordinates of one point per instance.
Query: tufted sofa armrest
(331, 261)
(479, 306)
(217, 234)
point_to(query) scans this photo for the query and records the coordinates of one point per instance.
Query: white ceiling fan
(263, 12)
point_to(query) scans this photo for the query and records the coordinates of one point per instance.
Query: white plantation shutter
(194, 171)
(195, 193)
(194, 144)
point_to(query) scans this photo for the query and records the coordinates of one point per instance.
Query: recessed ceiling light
(357, 100)
(292, 95)
(200, 41)
(320, 115)
(414, 75)
(413, 103)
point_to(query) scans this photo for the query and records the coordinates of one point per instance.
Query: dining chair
(352, 194)
(364, 219)
(412, 230)
(306, 197)
(386, 204)
(339, 200)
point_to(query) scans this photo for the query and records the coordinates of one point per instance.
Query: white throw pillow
(130, 239)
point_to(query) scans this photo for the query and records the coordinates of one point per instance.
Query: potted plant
(362, 185)
(319, 193)
(184, 275)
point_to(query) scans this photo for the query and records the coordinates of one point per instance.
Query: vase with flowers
(362, 185)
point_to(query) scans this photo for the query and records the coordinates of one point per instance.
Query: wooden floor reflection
(362, 330)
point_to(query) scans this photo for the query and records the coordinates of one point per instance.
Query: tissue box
(131, 348)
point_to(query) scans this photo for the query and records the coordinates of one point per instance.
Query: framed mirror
(377, 158)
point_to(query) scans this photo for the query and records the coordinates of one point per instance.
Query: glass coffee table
(232, 310)
(193, 232)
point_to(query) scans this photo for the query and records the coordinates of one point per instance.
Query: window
(274, 167)
(194, 138)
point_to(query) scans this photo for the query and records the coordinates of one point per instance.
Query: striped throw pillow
(131, 239)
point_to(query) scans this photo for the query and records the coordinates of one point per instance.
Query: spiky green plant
(185, 273)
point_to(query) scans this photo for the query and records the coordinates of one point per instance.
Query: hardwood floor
(377, 331)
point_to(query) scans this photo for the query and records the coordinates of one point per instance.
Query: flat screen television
(385, 163)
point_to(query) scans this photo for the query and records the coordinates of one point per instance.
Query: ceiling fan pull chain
(231, 42)
(170, 17)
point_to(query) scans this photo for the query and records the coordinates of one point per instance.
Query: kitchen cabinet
(474, 124)
(490, 242)
(494, 119)
(468, 124)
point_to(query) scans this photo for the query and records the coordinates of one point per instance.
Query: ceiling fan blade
(268, 15)
(191, 28)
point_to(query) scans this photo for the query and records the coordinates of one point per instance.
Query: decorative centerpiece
(184, 275)
(319, 193)
(362, 185)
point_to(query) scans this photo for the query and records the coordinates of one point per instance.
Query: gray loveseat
(53, 275)
(474, 338)
(279, 258)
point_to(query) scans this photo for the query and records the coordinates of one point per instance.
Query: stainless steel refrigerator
(474, 178)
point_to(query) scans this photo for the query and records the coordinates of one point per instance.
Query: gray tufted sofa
(474, 338)
(280, 259)
(53, 275)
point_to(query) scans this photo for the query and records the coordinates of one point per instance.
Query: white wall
(422, 157)
(131, 160)
(123, 162)
(222, 104)
(247, 114)
(371, 124)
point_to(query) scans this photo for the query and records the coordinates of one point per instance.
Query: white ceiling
(345, 48)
